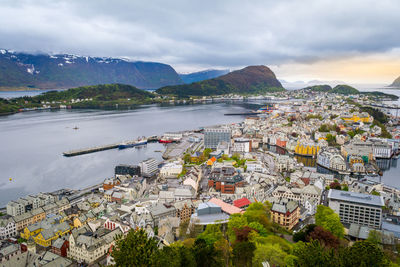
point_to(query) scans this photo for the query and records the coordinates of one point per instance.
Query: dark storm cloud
(221, 33)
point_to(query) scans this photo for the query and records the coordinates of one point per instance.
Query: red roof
(241, 202)
(225, 207)
(305, 180)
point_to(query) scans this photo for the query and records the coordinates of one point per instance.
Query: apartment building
(358, 208)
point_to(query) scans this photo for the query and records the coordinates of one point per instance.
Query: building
(357, 208)
(209, 213)
(60, 247)
(26, 204)
(161, 211)
(285, 213)
(358, 117)
(241, 203)
(89, 246)
(213, 136)
(7, 227)
(173, 136)
(171, 170)
(131, 170)
(241, 145)
(225, 179)
(184, 209)
(149, 167)
(330, 158)
(308, 149)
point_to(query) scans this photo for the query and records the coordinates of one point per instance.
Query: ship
(128, 144)
(165, 141)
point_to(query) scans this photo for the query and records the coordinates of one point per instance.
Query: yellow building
(357, 117)
(310, 149)
(46, 236)
(31, 230)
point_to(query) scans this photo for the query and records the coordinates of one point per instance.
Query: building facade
(213, 136)
(362, 209)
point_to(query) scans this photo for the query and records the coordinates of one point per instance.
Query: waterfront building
(285, 213)
(308, 149)
(149, 167)
(330, 158)
(131, 170)
(358, 208)
(358, 148)
(173, 136)
(213, 136)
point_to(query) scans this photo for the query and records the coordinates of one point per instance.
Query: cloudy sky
(350, 40)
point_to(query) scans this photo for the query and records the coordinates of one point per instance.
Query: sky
(356, 41)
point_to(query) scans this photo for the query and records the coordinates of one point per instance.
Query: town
(306, 150)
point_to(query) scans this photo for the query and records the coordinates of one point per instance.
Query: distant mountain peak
(252, 79)
(396, 83)
(53, 71)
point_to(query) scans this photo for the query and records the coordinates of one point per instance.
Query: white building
(171, 170)
(241, 145)
(7, 227)
(173, 136)
(149, 167)
(362, 209)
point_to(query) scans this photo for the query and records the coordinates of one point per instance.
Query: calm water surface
(31, 143)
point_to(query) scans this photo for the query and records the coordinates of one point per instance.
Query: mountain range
(252, 79)
(45, 71)
(396, 83)
(202, 75)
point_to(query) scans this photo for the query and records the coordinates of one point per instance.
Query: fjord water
(31, 143)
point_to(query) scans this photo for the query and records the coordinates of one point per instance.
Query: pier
(89, 150)
(77, 152)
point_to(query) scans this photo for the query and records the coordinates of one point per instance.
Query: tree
(186, 158)
(207, 152)
(324, 237)
(365, 253)
(204, 254)
(335, 185)
(375, 237)
(137, 249)
(243, 253)
(175, 255)
(272, 253)
(375, 193)
(212, 234)
(313, 254)
(236, 221)
(329, 220)
(259, 228)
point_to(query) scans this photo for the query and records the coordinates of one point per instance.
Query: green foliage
(329, 220)
(378, 115)
(259, 228)
(313, 254)
(365, 253)
(135, 250)
(272, 253)
(236, 221)
(344, 90)
(207, 152)
(212, 234)
(243, 253)
(205, 255)
(186, 158)
(319, 88)
(375, 193)
(175, 255)
(311, 116)
(331, 139)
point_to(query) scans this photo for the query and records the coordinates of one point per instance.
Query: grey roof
(210, 218)
(290, 206)
(360, 198)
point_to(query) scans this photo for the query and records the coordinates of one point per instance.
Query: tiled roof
(241, 202)
(227, 208)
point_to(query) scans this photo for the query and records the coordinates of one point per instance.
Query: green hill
(252, 79)
(95, 96)
(344, 90)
